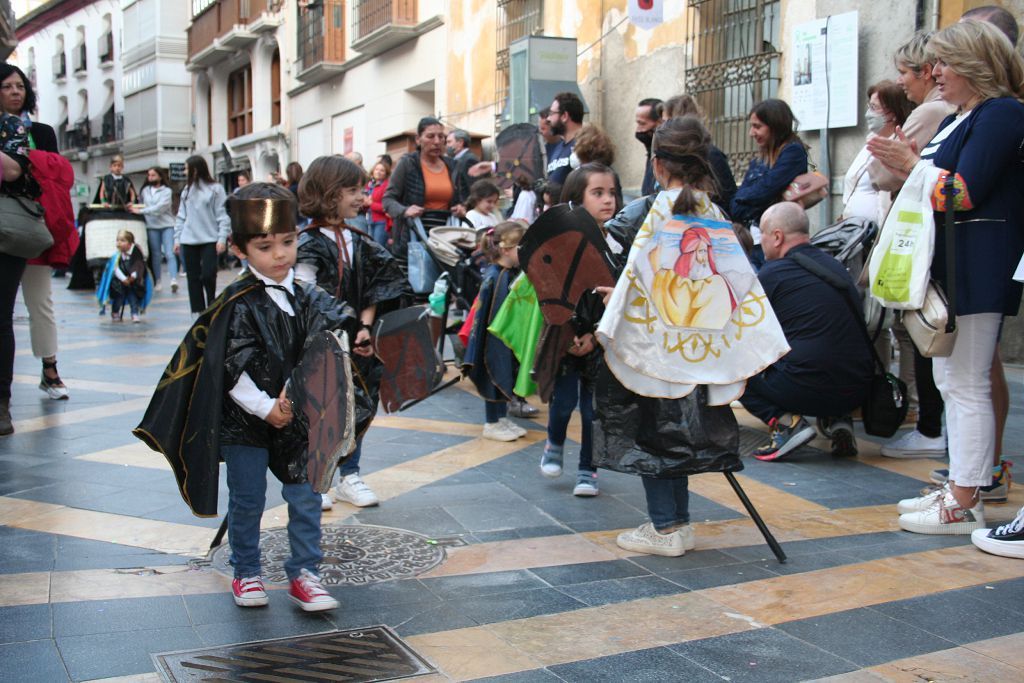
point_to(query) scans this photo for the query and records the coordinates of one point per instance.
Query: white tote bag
(901, 261)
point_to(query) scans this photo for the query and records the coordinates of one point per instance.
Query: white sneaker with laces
(914, 444)
(646, 539)
(1006, 540)
(174, 285)
(945, 517)
(326, 502)
(512, 427)
(921, 502)
(496, 431)
(352, 489)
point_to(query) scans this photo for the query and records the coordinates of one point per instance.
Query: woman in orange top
(422, 184)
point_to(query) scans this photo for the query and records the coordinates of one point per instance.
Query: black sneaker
(785, 438)
(1006, 540)
(844, 443)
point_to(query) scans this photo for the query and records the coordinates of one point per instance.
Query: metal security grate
(369, 654)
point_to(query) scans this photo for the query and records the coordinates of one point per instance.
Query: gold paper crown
(255, 217)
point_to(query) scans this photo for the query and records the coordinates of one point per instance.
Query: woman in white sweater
(201, 231)
(159, 214)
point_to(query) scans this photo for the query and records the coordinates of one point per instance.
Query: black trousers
(11, 269)
(201, 270)
(772, 393)
(929, 400)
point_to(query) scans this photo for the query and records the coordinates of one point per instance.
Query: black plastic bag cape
(664, 438)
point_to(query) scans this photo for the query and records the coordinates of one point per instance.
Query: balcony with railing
(321, 40)
(60, 67)
(219, 27)
(77, 137)
(107, 129)
(379, 25)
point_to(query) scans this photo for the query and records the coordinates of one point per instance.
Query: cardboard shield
(321, 390)
(412, 366)
(565, 254)
(520, 161)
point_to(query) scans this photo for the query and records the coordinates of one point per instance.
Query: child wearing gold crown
(222, 397)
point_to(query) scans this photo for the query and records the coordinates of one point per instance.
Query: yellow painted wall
(470, 102)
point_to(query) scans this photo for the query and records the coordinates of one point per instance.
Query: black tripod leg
(220, 533)
(761, 526)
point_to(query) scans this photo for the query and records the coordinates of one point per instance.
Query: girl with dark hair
(158, 211)
(423, 182)
(18, 98)
(781, 158)
(201, 231)
(356, 270)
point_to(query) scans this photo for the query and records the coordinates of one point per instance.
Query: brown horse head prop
(565, 254)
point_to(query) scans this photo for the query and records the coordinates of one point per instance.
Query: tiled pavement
(95, 574)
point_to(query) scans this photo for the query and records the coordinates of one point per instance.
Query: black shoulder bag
(885, 405)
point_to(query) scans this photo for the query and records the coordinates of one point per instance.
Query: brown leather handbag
(807, 189)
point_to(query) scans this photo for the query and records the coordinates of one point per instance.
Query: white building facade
(71, 51)
(156, 86)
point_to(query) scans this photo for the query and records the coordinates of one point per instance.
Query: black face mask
(646, 137)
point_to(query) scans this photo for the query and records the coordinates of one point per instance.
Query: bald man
(827, 371)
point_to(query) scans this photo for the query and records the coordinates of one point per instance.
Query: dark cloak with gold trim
(183, 420)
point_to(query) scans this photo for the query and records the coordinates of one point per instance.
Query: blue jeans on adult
(247, 496)
(495, 410)
(668, 501)
(568, 393)
(161, 244)
(379, 232)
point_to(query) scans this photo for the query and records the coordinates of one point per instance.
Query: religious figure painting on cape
(695, 271)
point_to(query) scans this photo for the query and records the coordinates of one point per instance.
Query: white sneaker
(646, 539)
(174, 285)
(158, 287)
(512, 427)
(496, 431)
(326, 502)
(946, 517)
(352, 489)
(914, 444)
(921, 502)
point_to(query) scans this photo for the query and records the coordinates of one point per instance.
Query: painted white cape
(688, 309)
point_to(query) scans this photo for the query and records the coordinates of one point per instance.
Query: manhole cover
(368, 654)
(354, 554)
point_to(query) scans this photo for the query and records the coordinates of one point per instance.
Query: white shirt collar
(287, 283)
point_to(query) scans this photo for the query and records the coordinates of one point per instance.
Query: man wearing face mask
(888, 107)
(648, 116)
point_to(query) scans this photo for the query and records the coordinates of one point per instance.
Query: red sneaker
(249, 592)
(308, 593)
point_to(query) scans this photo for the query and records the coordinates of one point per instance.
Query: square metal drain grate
(368, 654)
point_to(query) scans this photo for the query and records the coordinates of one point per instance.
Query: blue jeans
(119, 296)
(668, 501)
(351, 464)
(379, 232)
(495, 410)
(161, 243)
(247, 496)
(568, 393)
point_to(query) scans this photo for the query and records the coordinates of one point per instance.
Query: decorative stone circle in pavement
(354, 555)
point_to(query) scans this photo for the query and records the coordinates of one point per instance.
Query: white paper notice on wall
(823, 72)
(646, 14)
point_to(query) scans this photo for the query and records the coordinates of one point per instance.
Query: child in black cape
(347, 263)
(222, 397)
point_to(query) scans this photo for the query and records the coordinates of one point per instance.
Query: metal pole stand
(761, 526)
(219, 538)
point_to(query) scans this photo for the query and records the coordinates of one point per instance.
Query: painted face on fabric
(272, 256)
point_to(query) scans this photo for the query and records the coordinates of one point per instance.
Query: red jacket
(56, 178)
(377, 213)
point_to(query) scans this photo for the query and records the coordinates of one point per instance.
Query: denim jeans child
(247, 496)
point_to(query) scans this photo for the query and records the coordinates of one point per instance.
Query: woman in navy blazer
(982, 145)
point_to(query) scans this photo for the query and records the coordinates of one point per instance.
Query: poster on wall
(646, 14)
(823, 72)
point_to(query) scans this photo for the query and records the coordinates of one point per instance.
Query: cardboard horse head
(565, 254)
(519, 156)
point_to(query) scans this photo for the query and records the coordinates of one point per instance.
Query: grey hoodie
(202, 216)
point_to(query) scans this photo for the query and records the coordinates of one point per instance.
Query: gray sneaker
(551, 461)
(586, 484)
